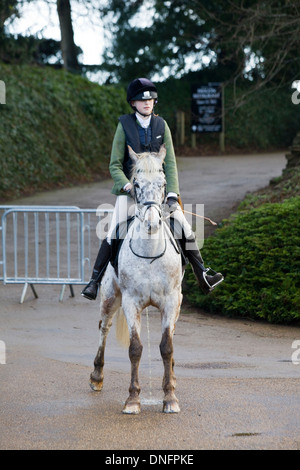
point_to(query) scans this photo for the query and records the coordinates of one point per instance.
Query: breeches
(125, 208)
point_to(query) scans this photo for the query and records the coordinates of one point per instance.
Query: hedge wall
(56, 128)
(258, 251)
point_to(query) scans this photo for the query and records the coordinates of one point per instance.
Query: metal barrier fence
(48, 245)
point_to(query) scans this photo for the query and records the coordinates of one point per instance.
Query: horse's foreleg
(107, 311)
(170, 315)
(170, 403)
(132, 404)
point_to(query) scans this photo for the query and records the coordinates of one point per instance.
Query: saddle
(119, 236)
(117, 241)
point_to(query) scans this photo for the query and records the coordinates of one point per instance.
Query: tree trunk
(68, 46)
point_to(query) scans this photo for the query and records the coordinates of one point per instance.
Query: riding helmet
(141, 89)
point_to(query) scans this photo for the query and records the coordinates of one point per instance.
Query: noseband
(148, 205)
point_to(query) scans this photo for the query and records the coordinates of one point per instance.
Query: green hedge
(56, 128)
(258, 251)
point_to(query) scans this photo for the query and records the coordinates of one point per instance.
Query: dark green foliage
(267, 118)
(258, 251)
(29, 50)
(56, 128)
(182, 35)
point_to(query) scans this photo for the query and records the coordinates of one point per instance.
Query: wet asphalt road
(237, 385)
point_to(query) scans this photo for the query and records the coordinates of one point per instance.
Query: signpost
(208, 110)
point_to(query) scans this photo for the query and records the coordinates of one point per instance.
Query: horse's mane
(148, 164)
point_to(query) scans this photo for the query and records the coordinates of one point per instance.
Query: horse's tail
(122, 332)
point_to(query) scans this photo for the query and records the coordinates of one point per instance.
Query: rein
(153, 258)
(193, 213)
(149, 204)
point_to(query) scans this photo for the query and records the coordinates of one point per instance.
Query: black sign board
(207, 108)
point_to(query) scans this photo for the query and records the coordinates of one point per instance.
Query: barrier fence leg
(25, 290)
(63, 287)
(62, 292)
(72, 291)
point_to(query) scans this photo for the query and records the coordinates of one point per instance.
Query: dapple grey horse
(149, 273)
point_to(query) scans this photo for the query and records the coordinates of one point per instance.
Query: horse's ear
(132, 154)
(162, 152)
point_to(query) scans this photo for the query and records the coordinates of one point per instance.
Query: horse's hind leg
(107, 310)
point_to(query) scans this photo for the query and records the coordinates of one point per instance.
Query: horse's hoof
(171, 407)
(132, 409)
(96, 386)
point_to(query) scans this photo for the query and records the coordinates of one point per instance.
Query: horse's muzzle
(152, 218)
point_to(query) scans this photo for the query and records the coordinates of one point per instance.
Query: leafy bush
(258, 251)
(56, 128)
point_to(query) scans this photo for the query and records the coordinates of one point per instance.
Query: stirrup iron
(211, 287)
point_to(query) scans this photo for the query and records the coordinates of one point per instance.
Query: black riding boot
(206, 282)
(91, 290)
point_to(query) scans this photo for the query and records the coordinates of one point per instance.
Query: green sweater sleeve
(117, 159)
(170, 163)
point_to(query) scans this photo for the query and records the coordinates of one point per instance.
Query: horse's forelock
(148, 164)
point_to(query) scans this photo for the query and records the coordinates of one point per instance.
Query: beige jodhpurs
(124, 208)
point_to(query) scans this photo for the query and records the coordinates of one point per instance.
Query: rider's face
(143, 106)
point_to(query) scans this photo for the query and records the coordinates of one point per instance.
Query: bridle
(148, 205)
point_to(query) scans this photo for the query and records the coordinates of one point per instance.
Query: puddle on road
(210, 365)
(151, 401)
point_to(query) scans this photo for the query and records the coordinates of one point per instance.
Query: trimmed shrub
(56, 129)
(258, 251)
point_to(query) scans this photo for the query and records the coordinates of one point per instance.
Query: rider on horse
(144, 131)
